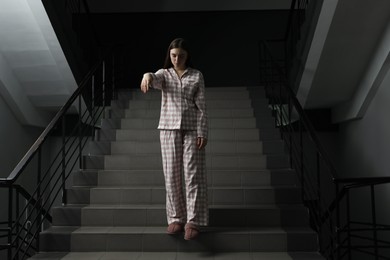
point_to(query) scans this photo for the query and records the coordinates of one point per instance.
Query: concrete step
(155, 215)
(216, 178)
(216, 123)
(212, 113)
(214, 134)
(213, 162)
(262, 111)
(88, 178)
(252, 195)
(155, 239)
(210, 93)
(215, 147)
(211, 104)
(224, 195)
(179, 255)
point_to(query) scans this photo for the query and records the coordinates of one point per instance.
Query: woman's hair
(177, 43)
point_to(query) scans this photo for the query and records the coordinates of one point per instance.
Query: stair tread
(162, 230)
(180, 255)
(209, 141)
(158, 154)
(157, 187)
(162, 206)
(286, 170)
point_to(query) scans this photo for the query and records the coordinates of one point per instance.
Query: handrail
(25, 221)
(302, 114)
(34, 148)
(28, 196)
(350, 183)
(364, 180)
(290, 18)
(365, 232)
(29, 211)
(337, 231)
(311, 175)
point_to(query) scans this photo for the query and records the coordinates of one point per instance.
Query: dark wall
(224, 44)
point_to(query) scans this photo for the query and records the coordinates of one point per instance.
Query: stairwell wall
(365, 152)
(15, 140)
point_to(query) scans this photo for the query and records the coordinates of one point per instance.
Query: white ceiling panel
(45, 87)
(28, 58)
(22, 41)
(37, 73)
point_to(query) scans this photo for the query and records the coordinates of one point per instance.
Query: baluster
(373, 213)
(64, 199)
(10, 216)
(349, 224)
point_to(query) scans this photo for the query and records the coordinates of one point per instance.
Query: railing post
(280, 106)
(319, 197)
(337, 224)
(81, 166)
(93, 105)
(10, 216)
(301, 166)
(292, 131)
(373, 213)
(39, 195)
(17, 228)
(104, 86)
(64, 199)
(348, 198)
(113, 71)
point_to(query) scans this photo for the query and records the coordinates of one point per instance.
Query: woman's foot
(175, 228)
(191, 231)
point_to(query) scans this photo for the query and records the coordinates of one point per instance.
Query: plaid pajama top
(183, 104)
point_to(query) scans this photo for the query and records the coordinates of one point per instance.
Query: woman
(183, 136)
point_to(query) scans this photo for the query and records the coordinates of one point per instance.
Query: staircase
(116, 206)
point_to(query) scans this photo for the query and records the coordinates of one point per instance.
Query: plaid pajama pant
(183, 160)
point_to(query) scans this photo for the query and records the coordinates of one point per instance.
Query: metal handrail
(360, 236)
(29, 210)
(298, 108)
(26, 222)
(54, 122)
(325, 209)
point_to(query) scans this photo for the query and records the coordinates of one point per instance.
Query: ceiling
(342, 54)
(35, 79)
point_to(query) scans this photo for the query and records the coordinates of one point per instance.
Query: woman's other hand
(201, 142)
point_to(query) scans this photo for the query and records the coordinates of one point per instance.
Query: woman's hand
(201, 142)
(147, 80)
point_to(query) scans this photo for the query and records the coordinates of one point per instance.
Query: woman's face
(178, 58)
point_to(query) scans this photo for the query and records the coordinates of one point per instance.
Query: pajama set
(183, 118)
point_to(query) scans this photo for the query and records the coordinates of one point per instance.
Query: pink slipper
(175, 228)
(191, 231)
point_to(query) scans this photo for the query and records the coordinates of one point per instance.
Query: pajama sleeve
(200, 102)
(158, 79)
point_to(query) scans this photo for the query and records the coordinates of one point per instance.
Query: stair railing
(307, 156)
(297, 16)
(340, 234)
(39, 180)
(361, 231)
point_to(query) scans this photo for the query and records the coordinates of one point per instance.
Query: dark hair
(177, 43)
